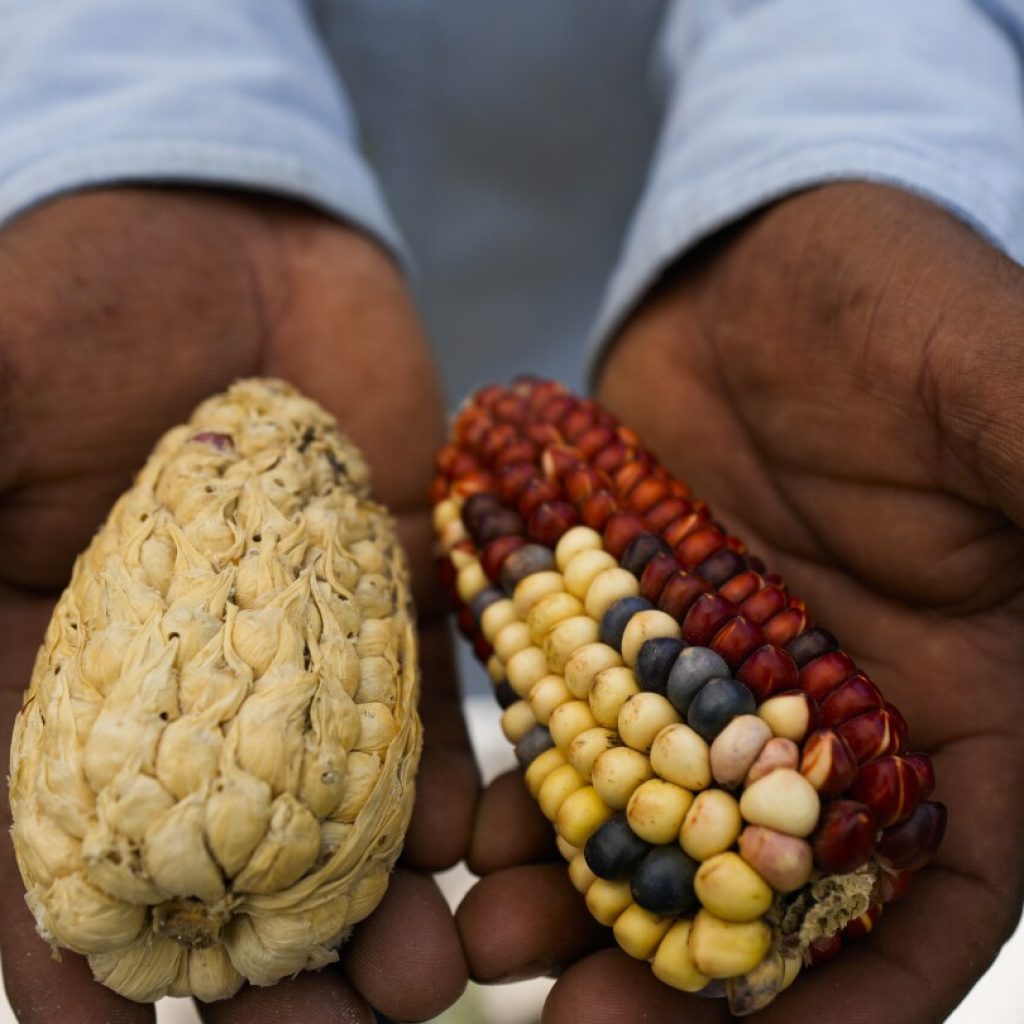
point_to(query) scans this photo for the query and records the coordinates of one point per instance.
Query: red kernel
(889, 787)
(708, 614)
(736, 639)
(549, 521)
(845, 836)
(782, 628)
(768, 671)
(857, 695)
(619, 530)
(769, 601)
(823, 675)
(910, 845)
(680, 592)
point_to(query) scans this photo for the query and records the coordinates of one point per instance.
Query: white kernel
(511, 639)
(566, 638)
(549, 611)
(573, 541)
(535, 586)
(470, 581)
(525, 669)
(611, 689)
(584, 568)
(496, 616)
(548, 693)
(712, 824)
(588, 746)
(644, 626)
(680, 755)
(783, 800)
(584, 665)
(642, 717)
(609, 586)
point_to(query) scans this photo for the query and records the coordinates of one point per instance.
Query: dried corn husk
(212, 772)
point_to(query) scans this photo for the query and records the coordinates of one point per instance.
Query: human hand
(841, 378)
(121, 310)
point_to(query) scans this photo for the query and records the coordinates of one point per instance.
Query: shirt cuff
(767, 97)
(235, 93)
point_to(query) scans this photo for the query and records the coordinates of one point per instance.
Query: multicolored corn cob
(735, 798)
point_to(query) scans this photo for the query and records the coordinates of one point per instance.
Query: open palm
(838, 378)
(122, 310)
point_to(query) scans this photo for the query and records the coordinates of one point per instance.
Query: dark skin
(123, 309)
(841, 378)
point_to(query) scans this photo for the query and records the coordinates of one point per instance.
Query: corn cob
(212, 771)
(734, 797)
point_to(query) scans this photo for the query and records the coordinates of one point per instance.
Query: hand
(841, 378)
(121, 310)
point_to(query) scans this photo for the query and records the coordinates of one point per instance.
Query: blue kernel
(614, 621)
(654, 662)
(615, 850)
(663, 882)
(717, 704)
(692, 669)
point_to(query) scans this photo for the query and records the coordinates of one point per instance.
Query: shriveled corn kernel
(584, 569)
(638, 931)
(606, 588)
(549, 611)
(496, 616)
(725, 949)
(556, 787)
(680, 755)
(580, 814)
(606, 900)
(517, 720)
(511, 639)
(583, 666)
(588, 746)
(783, 800)
(568, 720)
(541, 767)
(572, 542)
(790, 969)
(531, 589)
(547, 694)
(646, 626)
(566, 849)
(611, 689)
(754, 990)
(674, 964)
(525, 669)
(731, 889)
(580, 874)
(566, 638)
(788, 715)
(470, 581)
(711, 825)
(642, 717)
(736, 748)
(656, 810)
(617, 773)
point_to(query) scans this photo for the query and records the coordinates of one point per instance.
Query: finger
(610, 987)
(326, 997)
(509, 829)
(405, 958)
(524, 922)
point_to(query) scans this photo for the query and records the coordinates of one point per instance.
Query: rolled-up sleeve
(766, 97)
(218, 92)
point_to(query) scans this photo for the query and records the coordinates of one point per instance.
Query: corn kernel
(680, 755)
(617, 773)
(736, 748)
(588, 746)
(584, 569)
(541, 767)
(496, 669)
(725, 949)
(517, 720)
(609, 586)
(783, 800)
(547, 694)
(470, 581)
(553, 791)
(445, 511)
(731, 889)
(535, 586)
(525, 669)
(573, 541)
(580, 874)
(496, 616)
(511, 639)
(612, 688)
(566, 849)
(566, 638)
(606, 900)
(644, 626)
(788, 715)
(673, 964)
(568, 720)
(549, 611)
(580, 814)
(656, 810)
(583, 666)
(638, 931)
(711, 825)
(642, 717)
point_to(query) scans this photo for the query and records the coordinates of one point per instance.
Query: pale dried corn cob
(212, 772)
(734, 797)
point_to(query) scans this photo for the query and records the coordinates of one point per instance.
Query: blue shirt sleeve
(217, 92)
(766, 97)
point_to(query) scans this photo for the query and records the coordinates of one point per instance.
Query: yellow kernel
(611, 689)
(547, 694)
(724, 949)
(496, 669)
(496, 616)
(470, 581)
(731, 889)
(617, 773)
(582, 668)
(525, 669)
(454, 532)
(638, 931)
(573, 541)
(556, 787)
(680, 755)
(568, 720)
(566, 849)
(606, 900)
(565, 639)
(583, 570)
(642, 717)
(711, 825)
(783, 800)
(588, 746)
(609, 586)
(445, 512)
(580, 874)
(535, 586)
(673, 963)
(580, 814)
(656, 810)
(646, 626)
(549, 611)
(517, 720)
(787, 715)
(511, 639)
(541, 767)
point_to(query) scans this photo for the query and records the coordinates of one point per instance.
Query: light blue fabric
(543, 161)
